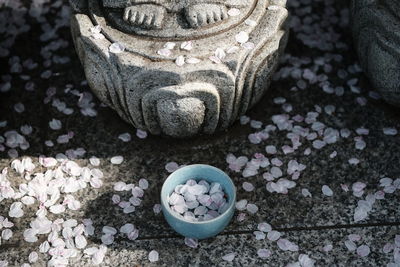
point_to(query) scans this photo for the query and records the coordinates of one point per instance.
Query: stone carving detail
(376, 32)
(188, 66)
(151, 13)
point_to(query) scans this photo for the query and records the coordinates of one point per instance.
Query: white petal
(259, 235)
(44, 247)
(248, 186)
(95, 29)
(30, 235)
(144, 184)
(252, 208)
(229, 257)
(165, 52)
(250, 46)
(273, 235)
(327, 191)
(127, 228)
(57, 209)
(80, 241)
(117, 160)
(187, 45)
(109, 230)
(241, 204)
(354, 237)
(215, 59)
(116, 199)
(191, 242)
(169, 45)
(242, 37)
(180, 61)
(120, 186)
(117, 48)
(264, 253)
(6, 234)
(98, 256)
(133, 235)
(157, 208)
(153, 256)
(232, 50)
(220, 53)
(306, 261)
(351, 246)
(141, 134)
(360, 214)
(33, 257)
(171, 166)
(94, 161)
(305, 192)
(363, 251)
(192, 60)
(55, 124)
(390, 131)
(125, 137)
(233, 12)
(16, 210)
(128, 209)
(107, 239)
(251, 22)
(90, 251)
(387, 248)
(265, 227)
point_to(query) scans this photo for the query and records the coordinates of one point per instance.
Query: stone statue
(179, 67)
(151, 13)
(376, 32)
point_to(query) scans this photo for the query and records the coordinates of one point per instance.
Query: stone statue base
(193, 70)
(376, 32)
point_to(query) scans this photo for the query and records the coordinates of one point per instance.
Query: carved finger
(194, 20)
(224, 13)
(140, 18)
(202, 18)
(127, 13)
(134, 14)
(149, 19)
(158, 21)
(217, 15)
(210, 17)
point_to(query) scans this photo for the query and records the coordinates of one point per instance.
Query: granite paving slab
(173, 251)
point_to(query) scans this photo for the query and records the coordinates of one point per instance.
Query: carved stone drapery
(376, 32)
(157, 83)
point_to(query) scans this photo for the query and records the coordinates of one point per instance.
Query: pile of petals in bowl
(197, 202)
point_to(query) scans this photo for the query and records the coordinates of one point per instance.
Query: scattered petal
(363, 251)
(229, 257)
(117, 160)
(153, 256)
(327, 191)
(264, 253)
(191, 242)
(117, 48)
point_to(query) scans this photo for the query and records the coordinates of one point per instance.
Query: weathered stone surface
(148, 85)
(376, 33)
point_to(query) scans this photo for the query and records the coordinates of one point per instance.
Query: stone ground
(309, 222)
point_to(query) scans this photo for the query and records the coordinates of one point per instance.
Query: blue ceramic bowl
(205, 229)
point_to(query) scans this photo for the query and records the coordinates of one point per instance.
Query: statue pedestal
(176, 77)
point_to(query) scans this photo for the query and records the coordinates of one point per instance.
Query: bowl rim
(170, 211)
